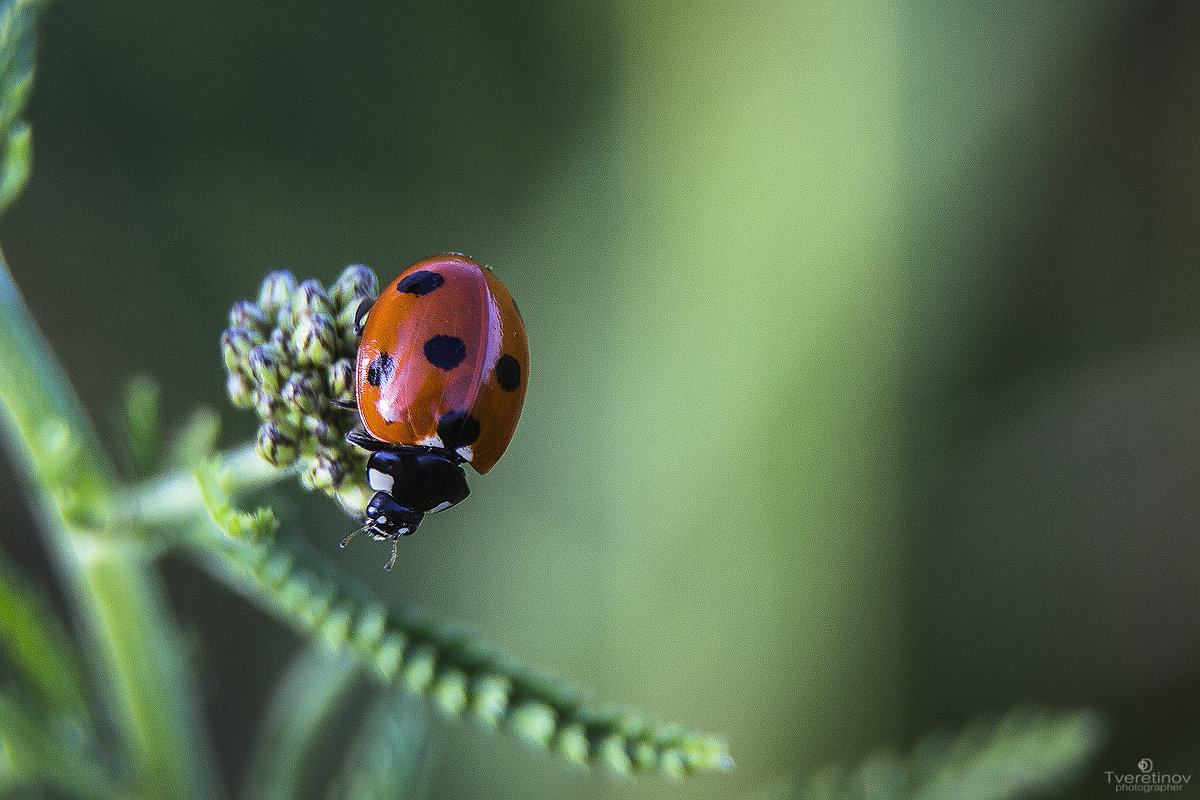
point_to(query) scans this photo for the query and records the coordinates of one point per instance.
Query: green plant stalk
(38, 650)
(389, 757)
(176, 497)
(107, 572)
(36, 754)
(301, 706)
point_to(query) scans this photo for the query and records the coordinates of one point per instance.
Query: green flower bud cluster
(290, 357)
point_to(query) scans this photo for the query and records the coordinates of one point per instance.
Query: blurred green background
(865, 338)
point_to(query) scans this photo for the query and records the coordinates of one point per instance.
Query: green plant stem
(389, 757)
(303, 703)
(176, 497)
(38, 649)
(33, 753)
(108, 575)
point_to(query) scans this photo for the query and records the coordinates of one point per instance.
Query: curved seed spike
(448, 666)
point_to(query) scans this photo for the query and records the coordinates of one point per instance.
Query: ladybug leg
(359, 436)
(408, 526)
(343, 405)
(363, 309)
(392, 561)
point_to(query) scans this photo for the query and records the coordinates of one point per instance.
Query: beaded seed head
(289, 357)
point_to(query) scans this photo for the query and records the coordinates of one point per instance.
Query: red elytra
(444, 361)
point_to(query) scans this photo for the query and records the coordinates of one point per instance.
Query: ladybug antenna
(353, 534)
(392, 561)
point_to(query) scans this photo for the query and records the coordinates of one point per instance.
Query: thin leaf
(37, 647)
(1025, 754)
(33, 753)
(17, 22)
(142, 425)
(387, 759)
(448, 666)
(302, 703)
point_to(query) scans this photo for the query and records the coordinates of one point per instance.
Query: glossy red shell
(444, 356)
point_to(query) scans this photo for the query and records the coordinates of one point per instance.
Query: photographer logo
(1146, 779)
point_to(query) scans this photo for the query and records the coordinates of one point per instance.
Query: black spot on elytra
(458, 429)
(445, 352)
(508, 372)
(420, 282)
(380, 369)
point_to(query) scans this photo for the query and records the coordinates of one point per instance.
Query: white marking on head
(380, 481)
(440, 507)
(431, 441)
(465, 452)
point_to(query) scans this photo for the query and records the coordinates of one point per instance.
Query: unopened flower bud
(276, 448)
(285, 350)
(267, 405)
(285, 319)
(323, 473)
(355, 284)
(241, 390)
(315, 340)
(245, 314)
(310, 298)
(341, 381)
(301, 395)
(354, 496)
(277, 289)
(348, 320)
(320, 430)
(266, 368)
(236, 344)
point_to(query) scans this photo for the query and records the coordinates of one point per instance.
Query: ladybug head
(387, 519)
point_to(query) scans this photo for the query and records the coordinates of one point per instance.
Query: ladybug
(442, 367)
